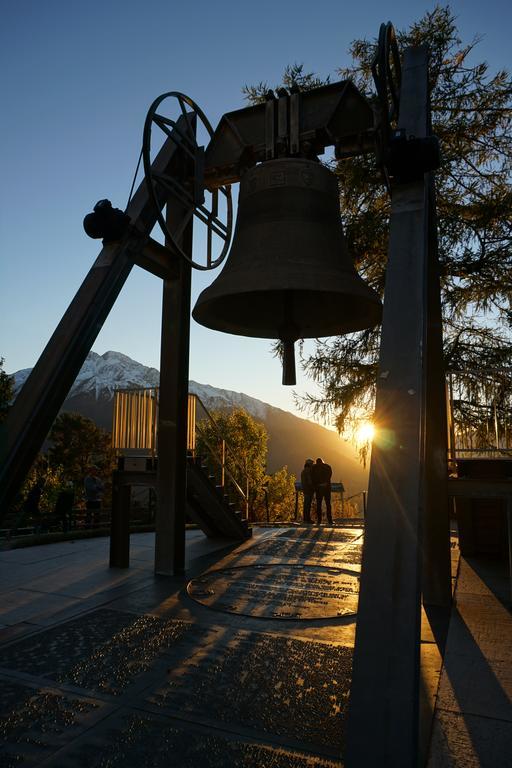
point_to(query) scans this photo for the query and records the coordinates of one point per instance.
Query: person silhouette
(322, 473)
(93, 487)
(306, 481)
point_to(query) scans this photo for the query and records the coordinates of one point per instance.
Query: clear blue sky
(76, 81)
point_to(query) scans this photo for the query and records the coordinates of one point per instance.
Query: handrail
(225, 469)
(227, 452)
(219, 432)
(359, 493)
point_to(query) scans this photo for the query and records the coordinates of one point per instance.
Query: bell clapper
(289, 376)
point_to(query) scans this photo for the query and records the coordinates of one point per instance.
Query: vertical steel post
(120, 523)
(173, 405)
(436, 581)
(386, 669)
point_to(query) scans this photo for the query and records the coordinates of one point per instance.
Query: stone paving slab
(465, 741)
(327, 547)
(36, 722)
(479, 576)
(484, 621)
(290, 688)
(102, 652)
(81, 577)
(75, 581)
(49, 552)
(473, 719)
(144, 740)
(470, 685)
(28, 606)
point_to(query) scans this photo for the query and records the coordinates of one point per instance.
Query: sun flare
(366, 432)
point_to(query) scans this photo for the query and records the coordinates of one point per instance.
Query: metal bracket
(296, 124)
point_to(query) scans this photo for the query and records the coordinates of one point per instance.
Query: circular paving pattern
(279, 591)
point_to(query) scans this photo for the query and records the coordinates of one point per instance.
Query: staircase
(210, 506)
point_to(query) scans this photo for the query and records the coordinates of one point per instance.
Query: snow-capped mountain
(291, 439)
(101, 375)
(215, 398)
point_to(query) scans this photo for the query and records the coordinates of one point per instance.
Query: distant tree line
(75, 443)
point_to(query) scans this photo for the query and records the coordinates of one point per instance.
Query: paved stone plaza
(245, 662)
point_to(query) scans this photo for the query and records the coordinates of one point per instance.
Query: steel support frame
(38, 403)
(384, 710)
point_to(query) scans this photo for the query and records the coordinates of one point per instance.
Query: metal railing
(479, 413)
(222, 459)
(362, 496)
(345, 503)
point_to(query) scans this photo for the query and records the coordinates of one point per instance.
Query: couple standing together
(316, 480)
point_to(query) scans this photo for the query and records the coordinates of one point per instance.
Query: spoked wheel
(183, 133)
(387, 76)
(387, 72)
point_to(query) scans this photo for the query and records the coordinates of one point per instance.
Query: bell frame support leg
(436, 582)
(173, 403)
(384, 699)
(172, 422)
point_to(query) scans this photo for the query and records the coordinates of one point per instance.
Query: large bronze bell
(288, 274)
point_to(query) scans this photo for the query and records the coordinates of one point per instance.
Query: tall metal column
(436, 583)
(384, 696)
(173, 404)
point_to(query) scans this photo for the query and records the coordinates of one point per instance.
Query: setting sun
(366, 432)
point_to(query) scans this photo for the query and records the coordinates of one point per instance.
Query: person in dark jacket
(93, 487)
(306, 480)
(31, 514)
(322, 474)
(64, 507)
